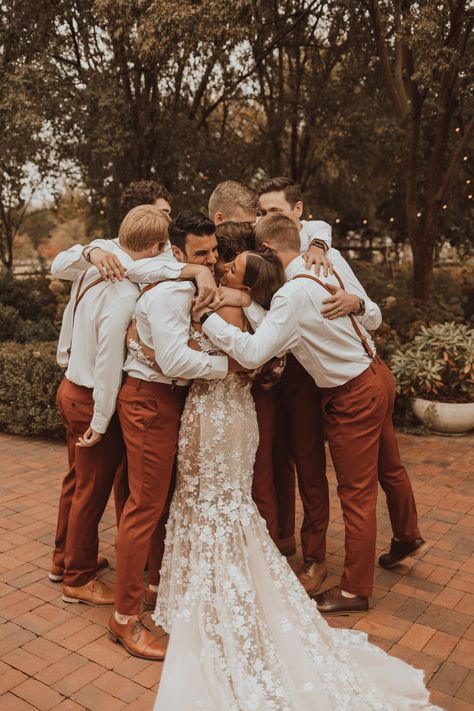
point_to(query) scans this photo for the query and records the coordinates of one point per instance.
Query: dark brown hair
(234, 238)
(264, 275)
(291, 190)
(279, 231)
(142, 192)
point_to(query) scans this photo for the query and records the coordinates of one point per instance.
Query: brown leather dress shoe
(287, 546)
(137, 640)
(95, 592)
(312, 575)
(400, 550)
(333, 602)
(56, 574)
(149, 599)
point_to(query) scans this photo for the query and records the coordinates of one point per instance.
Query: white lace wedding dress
(244, 634)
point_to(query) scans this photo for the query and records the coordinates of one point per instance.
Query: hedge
(29, 379)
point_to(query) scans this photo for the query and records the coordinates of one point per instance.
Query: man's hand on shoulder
(317, 256)
(110, 267)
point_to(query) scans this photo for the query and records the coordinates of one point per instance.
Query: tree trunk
(423, 261)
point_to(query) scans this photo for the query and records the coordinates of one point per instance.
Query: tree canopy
(368, 105)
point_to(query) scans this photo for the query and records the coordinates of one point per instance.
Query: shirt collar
(294, 267)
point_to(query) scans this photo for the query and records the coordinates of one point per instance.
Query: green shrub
(438, 364)
(29, 308)
(29, 379)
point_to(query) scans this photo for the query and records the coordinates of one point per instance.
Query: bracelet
(86, 252)
(321, 244)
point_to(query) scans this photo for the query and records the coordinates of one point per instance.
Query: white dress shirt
(70, 263)
(330, 351)
(314, 229)
(163, 322)
(370, 319)
(97, 341)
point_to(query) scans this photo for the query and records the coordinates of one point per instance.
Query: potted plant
(436, 370)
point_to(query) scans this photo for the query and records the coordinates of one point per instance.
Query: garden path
(57, 656)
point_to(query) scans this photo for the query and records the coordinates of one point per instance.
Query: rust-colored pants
(86, 487)
(299, 443)
(359, 428)
(149, 414)
(263, 484)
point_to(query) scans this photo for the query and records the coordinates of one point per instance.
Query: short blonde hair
(229, 196)
(142, 227)
(279, 232)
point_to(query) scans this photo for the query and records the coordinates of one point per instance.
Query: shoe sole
(311, 593)
(344, 613)
(408, 555)
(118, 640)
(55, 578)
(86, 602)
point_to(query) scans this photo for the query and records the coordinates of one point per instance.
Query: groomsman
(91, 348)
(149, 408)
(299, 439)
(357, 397)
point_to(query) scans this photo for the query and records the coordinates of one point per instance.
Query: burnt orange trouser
(299, 443)
(149, 414)
(359, 429)
(87, 486)
(263, 484)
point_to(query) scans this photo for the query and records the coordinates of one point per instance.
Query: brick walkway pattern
(57, 656)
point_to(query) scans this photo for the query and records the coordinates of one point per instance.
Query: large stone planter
(449, 418)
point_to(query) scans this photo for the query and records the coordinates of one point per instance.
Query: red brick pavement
(57, 656)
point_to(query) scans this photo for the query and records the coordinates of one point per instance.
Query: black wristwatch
(204, 317)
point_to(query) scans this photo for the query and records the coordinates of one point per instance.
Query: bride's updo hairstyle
(264, 275)
(234, 238)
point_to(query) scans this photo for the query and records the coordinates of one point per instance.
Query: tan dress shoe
(333, 602)
(311, 576)
(137, 640)
(287, 546)
(149, 599)
(56, 574)
(95, 592)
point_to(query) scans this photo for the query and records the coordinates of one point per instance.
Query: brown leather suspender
(79, 296)
(362, 338)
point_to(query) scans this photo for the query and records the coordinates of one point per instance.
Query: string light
(468, 182)
(364, 222)
(457, 129)
(465, 157)
(469, 197)
(444, 207)
(392, 219)
(418, 214)
(337, 220)
(310, 217)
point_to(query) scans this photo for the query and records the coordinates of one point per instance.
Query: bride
(244, 635)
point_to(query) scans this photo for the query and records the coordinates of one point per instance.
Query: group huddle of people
(208, 358)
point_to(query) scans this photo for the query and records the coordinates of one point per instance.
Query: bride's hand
(234, 297)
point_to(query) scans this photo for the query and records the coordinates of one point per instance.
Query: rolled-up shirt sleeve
(372, 318)
(170, 324)
(113, 326)
(71, 263)
(276, 334)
